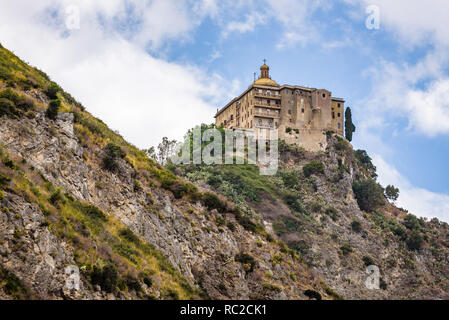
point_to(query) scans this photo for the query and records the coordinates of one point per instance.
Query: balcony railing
(266, 105)
(265, 126)
(265, 114)
(267, 96)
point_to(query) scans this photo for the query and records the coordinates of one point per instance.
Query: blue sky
(156, 68)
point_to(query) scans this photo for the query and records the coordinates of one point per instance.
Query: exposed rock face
(187, 235)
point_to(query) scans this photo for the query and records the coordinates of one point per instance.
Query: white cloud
(415, 22)
(296, 18)
(248, 25)
(143, 97)
(418, 93)
(429, 109)
(418, 201)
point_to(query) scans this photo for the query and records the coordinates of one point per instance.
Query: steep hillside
(313, 206)
(74, 193)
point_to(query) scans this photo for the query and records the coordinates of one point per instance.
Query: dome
(264, 79)
(266, 82)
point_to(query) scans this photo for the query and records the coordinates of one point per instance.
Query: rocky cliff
(77, 198)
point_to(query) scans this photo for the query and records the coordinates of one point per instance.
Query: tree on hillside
(369, 194)
(151, 153)
(166, 149)
(349, 126)
(53, 108)
(391, 193)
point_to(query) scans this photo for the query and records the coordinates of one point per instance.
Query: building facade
(301, 115)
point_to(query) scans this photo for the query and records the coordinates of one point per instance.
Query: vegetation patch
(313, 167)
(14, 105)
(246, 260)
(369, 194)
(12, 285)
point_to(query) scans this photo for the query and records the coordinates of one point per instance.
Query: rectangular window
(339, 114)
(333, 115)
(302, 110)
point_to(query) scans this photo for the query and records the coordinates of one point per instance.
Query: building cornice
(274, 88)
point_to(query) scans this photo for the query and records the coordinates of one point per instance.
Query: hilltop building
(302, 115)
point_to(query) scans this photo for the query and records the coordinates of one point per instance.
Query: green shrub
(137, 187)
(346, 248)
(180, 189)
(332, 293)
(246, 259)
(219, 221)
(341, 144)
(288, 130)
(91, 211)
(312, 294)
(127, 234)
(7, 108)
(211, 201)
(293, 202)
(4, 180)
(332, 212)
(300, 246)
(356, 226)
(315, 206)
(415, 240)
(53, 109)
(411, 222)
(9, 163)
(2, 195)
(369, 194)
(13, 105)
(382, 284)
(56, 197)
(289, 178)
(279, 227)
(52, 90)
(112, 152)
(106, 277)
(132, 283)
(368, 261)
(313, 167)
(147, 280)
(12, 285)
(246, 222)
(231, 226)
(172, 294)
(366, 162)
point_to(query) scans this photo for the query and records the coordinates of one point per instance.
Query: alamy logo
(72, 20)
(373, 280)
(372, 22)
(72, 281)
